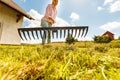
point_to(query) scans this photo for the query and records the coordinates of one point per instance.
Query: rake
(56, 32)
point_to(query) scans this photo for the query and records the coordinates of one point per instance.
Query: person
(49, 19)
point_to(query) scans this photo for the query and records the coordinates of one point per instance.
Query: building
(107, 33)
(11, 18)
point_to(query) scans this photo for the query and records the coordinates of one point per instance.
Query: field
(60, 61)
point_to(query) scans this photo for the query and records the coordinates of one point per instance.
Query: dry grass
(59, 61)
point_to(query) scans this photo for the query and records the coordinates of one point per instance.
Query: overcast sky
(99, 15)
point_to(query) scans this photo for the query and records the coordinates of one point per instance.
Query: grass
(59, 61)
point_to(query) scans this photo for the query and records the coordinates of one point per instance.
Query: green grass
(59, 61)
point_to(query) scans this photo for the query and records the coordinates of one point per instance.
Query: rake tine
(37, 34)
(68, 31)
(44, 34)
(28, 35)
(79, 32)
(83, 32)
(57, 34)
(19, 31)
(64, 32)
(41, 34)
(75, 33)
(33, 34)
(48, 32)
(53, 34)
(24, 35)
(72, 32)
(60, 33)
(86, 31)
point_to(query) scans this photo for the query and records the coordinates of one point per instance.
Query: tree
(102, 39)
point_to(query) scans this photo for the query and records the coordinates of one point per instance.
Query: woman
(49, 19)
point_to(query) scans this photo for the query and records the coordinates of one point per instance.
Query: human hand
(51, 20)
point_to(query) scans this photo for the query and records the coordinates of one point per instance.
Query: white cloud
(99, 8)
(87, 38)
(110, 26)
(116, 36)
(23, 0)
(74, 16)
(115, 6)
(107, 2)
(36, 16)
(111, 5)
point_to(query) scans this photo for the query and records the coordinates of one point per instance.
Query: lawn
(60, 61)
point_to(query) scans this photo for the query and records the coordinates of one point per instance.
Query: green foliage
(102, 39)
(70, 39)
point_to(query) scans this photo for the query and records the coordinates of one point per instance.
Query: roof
(108, 32)
(14, 6)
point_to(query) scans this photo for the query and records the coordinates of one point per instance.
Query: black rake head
(56, 32)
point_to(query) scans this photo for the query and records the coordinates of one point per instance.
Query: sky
(99, 15)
